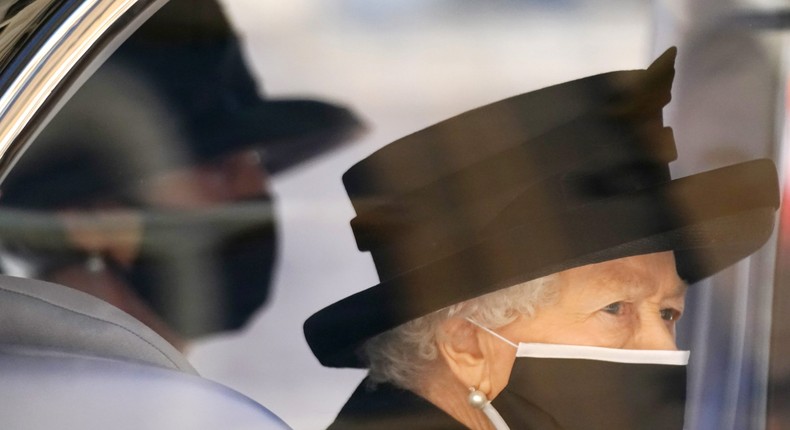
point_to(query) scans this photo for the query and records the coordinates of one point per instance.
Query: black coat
(386, 407)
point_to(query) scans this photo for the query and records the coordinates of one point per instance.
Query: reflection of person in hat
(534, 255)
(156, 172)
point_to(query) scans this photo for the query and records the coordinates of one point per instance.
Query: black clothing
(386, 407)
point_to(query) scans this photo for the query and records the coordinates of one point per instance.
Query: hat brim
(708, 231)
(287, 131)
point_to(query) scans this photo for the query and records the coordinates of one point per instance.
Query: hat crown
(517, 161)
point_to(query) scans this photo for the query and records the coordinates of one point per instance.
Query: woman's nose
(654, 333)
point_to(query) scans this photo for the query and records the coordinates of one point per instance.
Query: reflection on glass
(150, 189)
(19, 18)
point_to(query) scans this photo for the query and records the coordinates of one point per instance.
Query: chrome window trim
(40, 77)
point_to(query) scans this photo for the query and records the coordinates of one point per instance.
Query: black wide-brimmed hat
(565, 176)
(190, 53)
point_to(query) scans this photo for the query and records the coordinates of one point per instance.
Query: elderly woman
(534, 256)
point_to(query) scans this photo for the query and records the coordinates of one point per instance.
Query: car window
(194, 179)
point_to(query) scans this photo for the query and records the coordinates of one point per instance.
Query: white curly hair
(403, 355)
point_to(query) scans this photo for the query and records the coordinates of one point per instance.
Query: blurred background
(405, 64)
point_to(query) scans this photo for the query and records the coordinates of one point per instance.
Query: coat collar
(386, 407)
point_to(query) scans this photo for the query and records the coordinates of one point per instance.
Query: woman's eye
(613, 308)
(669, 314)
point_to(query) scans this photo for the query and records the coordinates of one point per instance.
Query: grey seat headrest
(42, 314)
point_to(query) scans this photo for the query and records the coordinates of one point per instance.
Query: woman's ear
(465, 353)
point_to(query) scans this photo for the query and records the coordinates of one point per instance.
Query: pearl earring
(477, 398)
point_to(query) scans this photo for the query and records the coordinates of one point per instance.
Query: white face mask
(571, 387)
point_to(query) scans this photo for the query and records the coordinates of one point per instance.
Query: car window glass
(226, 252)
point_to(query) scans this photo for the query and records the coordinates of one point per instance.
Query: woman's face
(630, 303)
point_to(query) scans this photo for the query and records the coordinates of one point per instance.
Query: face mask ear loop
(493, 333)
(494, 417)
